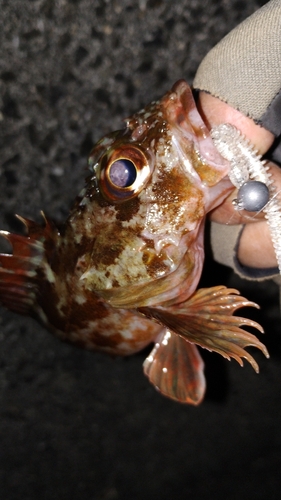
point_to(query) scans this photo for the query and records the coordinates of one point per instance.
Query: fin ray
(18, 271)
(206, 319)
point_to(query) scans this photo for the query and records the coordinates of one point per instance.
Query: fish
(122, 272)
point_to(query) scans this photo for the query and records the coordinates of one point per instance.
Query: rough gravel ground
(77, 425)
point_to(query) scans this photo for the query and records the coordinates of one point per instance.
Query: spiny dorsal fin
(18, 271)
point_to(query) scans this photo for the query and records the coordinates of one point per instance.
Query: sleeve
(224, 243)
(244, 70)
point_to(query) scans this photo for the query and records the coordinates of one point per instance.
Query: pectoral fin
(175, 368)
(206, 319)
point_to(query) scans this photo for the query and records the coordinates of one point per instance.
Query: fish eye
(123, 172)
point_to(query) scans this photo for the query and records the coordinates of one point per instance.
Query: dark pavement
(78, 425)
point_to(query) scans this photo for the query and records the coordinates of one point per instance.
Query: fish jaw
(185, 118)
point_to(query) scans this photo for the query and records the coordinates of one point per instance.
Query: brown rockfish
(122, 271)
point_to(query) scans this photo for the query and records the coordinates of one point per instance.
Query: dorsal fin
(18, 271)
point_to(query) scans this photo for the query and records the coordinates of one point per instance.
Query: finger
(255, 246)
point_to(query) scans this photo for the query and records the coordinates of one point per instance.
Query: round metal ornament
(252, 196)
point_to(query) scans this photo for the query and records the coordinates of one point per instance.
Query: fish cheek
(108, 245)
(178, 199)
(127, 210)
(154, 264)
(113, 238)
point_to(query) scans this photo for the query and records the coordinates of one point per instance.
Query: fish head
(145, 203)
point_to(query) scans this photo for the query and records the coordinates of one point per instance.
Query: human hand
(243, 72)
(255, 246)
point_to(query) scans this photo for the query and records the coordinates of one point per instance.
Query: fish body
(123, 270)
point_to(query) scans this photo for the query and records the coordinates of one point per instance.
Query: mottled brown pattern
(173, 190)
(122, 271)
(154, 263)
(127, 210)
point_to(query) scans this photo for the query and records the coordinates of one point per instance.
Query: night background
(76, 424)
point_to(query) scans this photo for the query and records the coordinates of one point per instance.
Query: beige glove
(244, 70)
